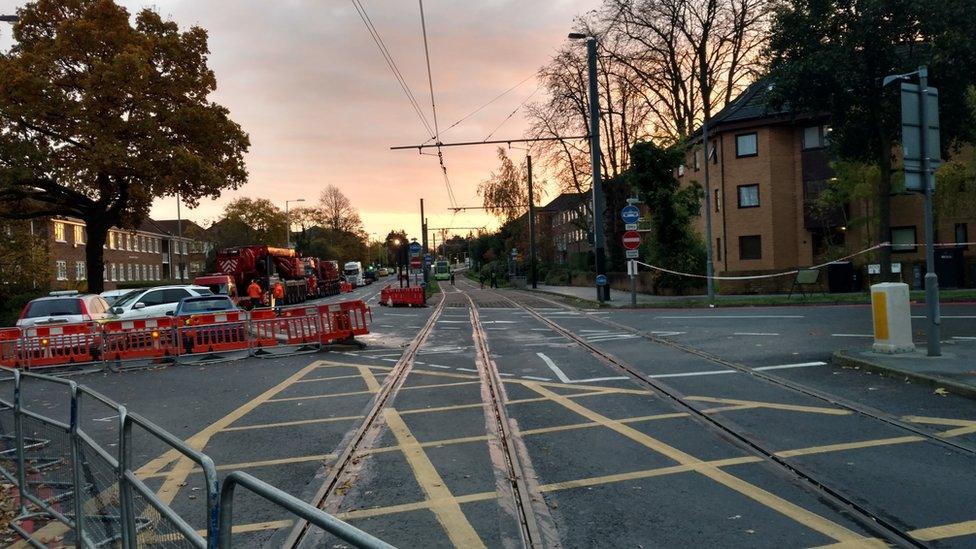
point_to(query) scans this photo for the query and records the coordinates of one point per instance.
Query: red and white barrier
(148, 339)
(61, 345)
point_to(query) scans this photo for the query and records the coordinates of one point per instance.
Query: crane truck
(303, 278)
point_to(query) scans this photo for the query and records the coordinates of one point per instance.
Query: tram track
(302, 528)
(871, 519)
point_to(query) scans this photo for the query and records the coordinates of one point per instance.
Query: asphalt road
(722, 428)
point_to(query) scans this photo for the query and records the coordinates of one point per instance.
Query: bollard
(892, 318)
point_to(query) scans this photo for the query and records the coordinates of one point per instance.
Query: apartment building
(563, 224)
(766, 171)
(144, 255)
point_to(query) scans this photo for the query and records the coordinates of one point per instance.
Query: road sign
(415, 262)
(601, 280)
(910, 129)
(427, 258)
(632, 240)
(415, 248)
(514, 252)
(630, 214)
(630, 226)
(633, 254)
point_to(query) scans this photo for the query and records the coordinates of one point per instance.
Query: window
(156, 269)
(59, 232)
(696, 162)
(718, 248)
(815, 137)
(903, 239)
(114, 272)
(746, 144)
(962, 234)
(62, 268)
(174, 295)
(748, 196)
(79, 234)
(80, 270)
(111, 240)
(154, 297)
(750, 247)
(718, 200)
(128, 271)
(681, 170)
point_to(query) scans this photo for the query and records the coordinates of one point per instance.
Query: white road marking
(595, 379)
(666, 334)
(389, 359)
(755, 333)
(851, 335)
(720, 317)
(398, 314)
(689, 374)
(466, 370)
(107, 418)
(788, 366)
(452, 321)
(537, 378)
(439, 366)
(540, 329)
(596, 331)
(967, 317)
(610, 337)
(964, 338)
(506, 374)
(555, 369)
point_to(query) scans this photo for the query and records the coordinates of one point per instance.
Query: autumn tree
(337, 211)
(505, 194)
(101, 113)
(248, 221)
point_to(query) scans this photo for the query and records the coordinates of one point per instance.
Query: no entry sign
(632, 240)
(415, 262)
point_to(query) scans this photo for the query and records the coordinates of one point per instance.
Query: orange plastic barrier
(61, 345)
(138, 339)
(11, 347)
(333, 323)
(209, 333)
(415, 296)
(263, 328)
(356, 313)
(345, 287)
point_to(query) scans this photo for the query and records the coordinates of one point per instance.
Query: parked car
(196, 333)
(383, 271)
(154, 302)
(111, 296)
(65, 307)
(369, 276)
(206, 304)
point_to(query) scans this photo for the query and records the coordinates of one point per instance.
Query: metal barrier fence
(199, 338)
(73, 491)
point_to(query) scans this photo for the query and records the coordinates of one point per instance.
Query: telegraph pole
(709, 264)
(423, 241)
(933, 315)
(532, 262)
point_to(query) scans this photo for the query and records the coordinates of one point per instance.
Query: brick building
(148, 254)
(563, 227)
(766, 170)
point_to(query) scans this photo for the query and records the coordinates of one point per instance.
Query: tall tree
(248, 221)
(829, 56)
(505, 194)
(101, 114)
(337, 211)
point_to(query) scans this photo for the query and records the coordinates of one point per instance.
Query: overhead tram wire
(391, 63)
(485, 105)
(517, 109)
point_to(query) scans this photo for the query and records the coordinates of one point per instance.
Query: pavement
(954, 370)
(620, 298)
(495, 416)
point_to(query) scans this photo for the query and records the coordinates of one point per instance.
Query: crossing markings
(564, 378)
(443, 504)
(314, 397)
(773, 405)
(963, 426)
(692, 374)
(332, 378)
(791, 510)
(290, 423)
(252, 464)
(790, 366)
(849, 446)
(945, 531)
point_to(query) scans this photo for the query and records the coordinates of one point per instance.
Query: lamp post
(288, 221)
(602, 293)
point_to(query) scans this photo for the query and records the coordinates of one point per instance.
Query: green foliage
(505, 193)
(249, 221)
(24, 262)
(674, 244)
(104, 112)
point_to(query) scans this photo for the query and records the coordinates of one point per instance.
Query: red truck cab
(219, 284)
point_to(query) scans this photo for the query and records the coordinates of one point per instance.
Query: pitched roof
(565, 201)
(751, 104)
(171, 226)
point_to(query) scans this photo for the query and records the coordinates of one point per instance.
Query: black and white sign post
(921, 150)
(631, 240)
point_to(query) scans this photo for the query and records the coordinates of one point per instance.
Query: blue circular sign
(415, 247)
(630, 214)
(601, 280)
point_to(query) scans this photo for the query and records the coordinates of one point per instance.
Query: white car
(154, 302)
(66, 307)
(111, 296)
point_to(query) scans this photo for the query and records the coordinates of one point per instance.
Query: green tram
(442, 270)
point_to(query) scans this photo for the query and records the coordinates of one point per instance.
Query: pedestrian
(279, 295)
(254, 292)
(452, 278)
(481, 279)
(494, 279)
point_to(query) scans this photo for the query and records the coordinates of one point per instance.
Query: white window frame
(114, 272)
(61, 268)
(81, 271)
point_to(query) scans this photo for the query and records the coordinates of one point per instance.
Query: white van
(353, 273)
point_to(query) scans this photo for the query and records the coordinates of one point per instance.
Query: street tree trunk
(95, 254)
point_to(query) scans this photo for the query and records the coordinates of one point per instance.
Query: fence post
(126, 507)
(76, 480)
(19, 434)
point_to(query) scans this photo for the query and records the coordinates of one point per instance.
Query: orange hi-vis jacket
(254, 291)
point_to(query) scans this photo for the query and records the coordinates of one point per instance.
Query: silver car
(67, 307)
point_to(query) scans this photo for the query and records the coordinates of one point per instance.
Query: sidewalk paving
(954, 371)
(620, 298)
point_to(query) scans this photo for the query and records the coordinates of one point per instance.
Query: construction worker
(452, 278)
(279, 295)
(254, 292)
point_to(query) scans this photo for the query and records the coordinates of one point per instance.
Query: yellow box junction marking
(443, 503)
(963, 426)
(945, 531)
(807, 518)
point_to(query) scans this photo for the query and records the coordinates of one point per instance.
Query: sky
(306, 81)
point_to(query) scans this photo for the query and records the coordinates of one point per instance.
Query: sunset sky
(306, 81)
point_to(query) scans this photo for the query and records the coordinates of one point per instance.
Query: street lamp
(602, 291)
(288, 221)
